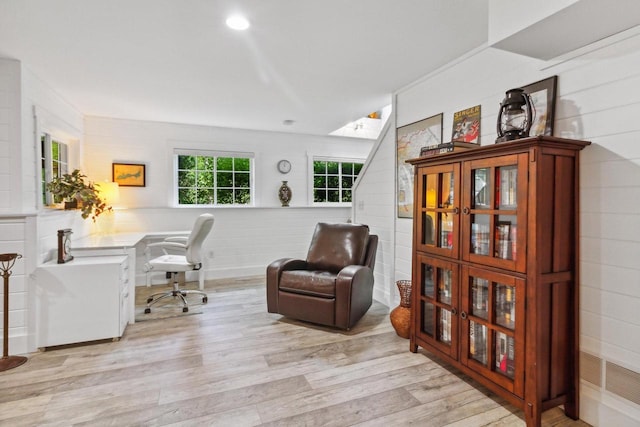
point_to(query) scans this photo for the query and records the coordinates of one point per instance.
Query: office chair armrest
(164, 246)
(168, 245)
(178, 239)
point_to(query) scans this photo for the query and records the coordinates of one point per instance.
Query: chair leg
(175, 292)
(201, 279)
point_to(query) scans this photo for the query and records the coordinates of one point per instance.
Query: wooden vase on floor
(401, 315)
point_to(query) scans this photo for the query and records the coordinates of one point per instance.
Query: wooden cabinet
(86, 299)
(495, 277)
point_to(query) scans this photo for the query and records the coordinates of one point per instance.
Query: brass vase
(284, 194)
(401, 315)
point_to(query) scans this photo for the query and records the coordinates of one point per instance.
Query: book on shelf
(503, 242)
(480, 239)
(514, 240)
(506, 196)
(501, 352)
(445, 147)
(477, 341)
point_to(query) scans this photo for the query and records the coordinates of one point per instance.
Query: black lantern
(514, 121)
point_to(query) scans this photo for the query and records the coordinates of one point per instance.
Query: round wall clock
(284, 166)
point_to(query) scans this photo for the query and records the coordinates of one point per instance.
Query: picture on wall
(129, 174)
(409, 140)
(466, 125)
(543, 98)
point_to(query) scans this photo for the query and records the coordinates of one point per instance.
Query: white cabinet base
(83, 300)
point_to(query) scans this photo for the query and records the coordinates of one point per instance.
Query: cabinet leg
(533, 416)
(571, 410)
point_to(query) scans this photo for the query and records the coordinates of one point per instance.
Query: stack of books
(445, 147)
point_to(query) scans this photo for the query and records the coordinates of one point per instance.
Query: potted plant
(74, 191)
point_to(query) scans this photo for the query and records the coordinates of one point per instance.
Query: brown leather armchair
(334, 285)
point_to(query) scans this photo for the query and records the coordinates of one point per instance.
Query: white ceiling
(320, 63)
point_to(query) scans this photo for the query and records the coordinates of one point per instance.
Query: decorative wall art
(466, 125)
(543, 98)
(129, 174)
(410, 139)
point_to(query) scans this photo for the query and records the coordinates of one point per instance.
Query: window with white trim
(333, 180)
(213, 178)
(54, 163)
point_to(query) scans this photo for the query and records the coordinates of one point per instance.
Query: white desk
(122, 244)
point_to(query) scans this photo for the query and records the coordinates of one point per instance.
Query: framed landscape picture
(409, 140)
(543, 98)
(128, 174)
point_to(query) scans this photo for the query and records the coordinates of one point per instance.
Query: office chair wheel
(204, 300)
(185, 309)
(149, 300)
(147, 310)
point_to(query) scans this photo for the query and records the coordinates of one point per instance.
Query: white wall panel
(10, 146)
(13, 230)
(610, 278)
(374, 189)
(243, 241)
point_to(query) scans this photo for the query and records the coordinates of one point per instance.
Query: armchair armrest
(354, 294)
(274, 270)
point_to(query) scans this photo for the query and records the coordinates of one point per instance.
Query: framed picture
(466, 125)
(128, 174)
(409, 140)
(543, 98)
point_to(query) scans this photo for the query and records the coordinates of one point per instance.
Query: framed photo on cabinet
(543, 98)
(128, 174)
(466, 125)
(409, 140)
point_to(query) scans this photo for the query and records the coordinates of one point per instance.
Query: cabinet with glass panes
(495, 275)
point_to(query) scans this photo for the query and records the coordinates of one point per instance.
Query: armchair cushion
(314, 283)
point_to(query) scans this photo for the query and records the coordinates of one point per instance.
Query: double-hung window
(213, 178)
(333, 179)
(54, 163)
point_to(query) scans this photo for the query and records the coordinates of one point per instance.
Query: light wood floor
(237, 365)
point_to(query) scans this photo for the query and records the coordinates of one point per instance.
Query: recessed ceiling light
(237, 22)
(288, 122)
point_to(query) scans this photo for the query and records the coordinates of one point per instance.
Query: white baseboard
(158, 278)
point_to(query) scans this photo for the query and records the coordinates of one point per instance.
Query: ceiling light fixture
(288, 122)
(237, 22)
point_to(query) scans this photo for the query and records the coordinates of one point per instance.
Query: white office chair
(173, 264)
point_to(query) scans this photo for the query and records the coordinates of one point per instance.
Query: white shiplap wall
(374, 188)
(243, 241)
(598, 101)
(20, 94)
(10, 151)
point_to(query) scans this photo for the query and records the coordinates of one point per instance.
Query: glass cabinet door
(494, 208)
(438, 212)
(491, 319)
(437, 299)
